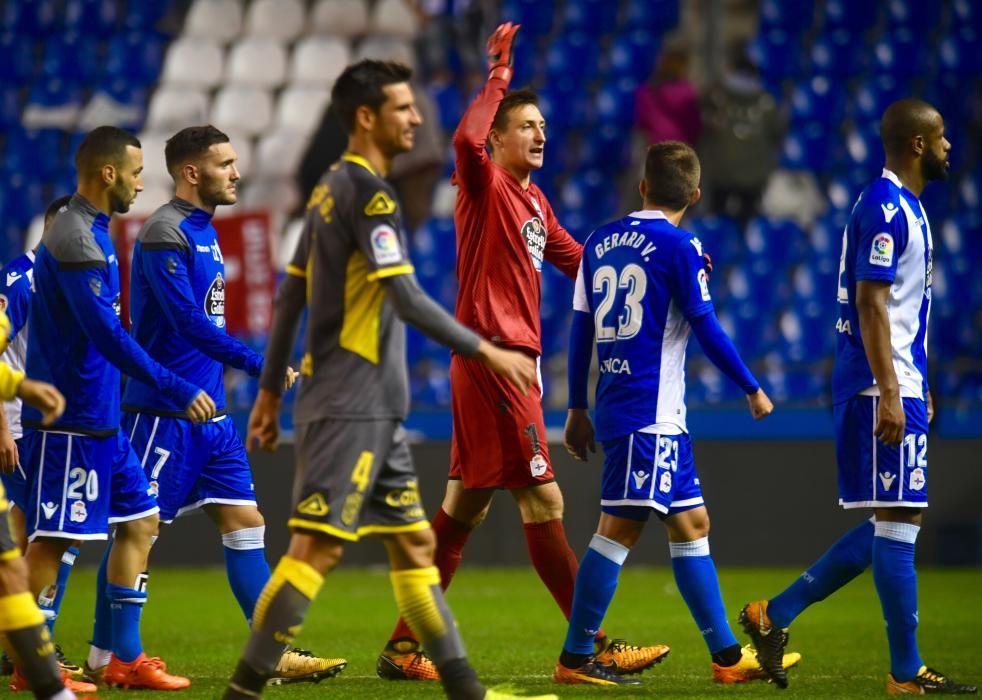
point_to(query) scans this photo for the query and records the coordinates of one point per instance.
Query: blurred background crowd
(781, 98)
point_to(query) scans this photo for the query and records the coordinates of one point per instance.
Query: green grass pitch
(514, 631)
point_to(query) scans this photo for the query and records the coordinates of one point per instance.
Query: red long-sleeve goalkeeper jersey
(503, 234)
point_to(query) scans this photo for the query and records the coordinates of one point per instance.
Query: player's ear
(643, 190)
(108, 173)
(917, 143)
(696, 196)
(190, 173)
(365, 117)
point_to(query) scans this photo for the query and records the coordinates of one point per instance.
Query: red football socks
(553, 560)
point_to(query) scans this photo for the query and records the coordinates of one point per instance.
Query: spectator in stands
(667, 106)
(414, 174)
(741, 139)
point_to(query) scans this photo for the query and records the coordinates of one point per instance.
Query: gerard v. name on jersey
(632, 239)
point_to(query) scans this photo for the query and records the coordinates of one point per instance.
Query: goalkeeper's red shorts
(499, 435)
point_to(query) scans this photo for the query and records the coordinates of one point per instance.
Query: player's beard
(218, 192)
(119, 198)
(933, 167)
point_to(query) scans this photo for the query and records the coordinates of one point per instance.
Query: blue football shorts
(190, 465)
(871, 474)
(78, 484)
(15, 482)
(649, 471)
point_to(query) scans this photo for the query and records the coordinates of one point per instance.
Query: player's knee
(232, 518)
(539, 504)
(322, 552)
(142, 530)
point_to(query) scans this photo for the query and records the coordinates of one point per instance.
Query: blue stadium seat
(450, 104)
(50, 98)
(98, 17)
(862, 157)
(24, 198)
(899, 53)
(565, 104)
(958, 52)
(528, 62)
(535, 16)
(776, 53)
(38, 18)
(576, 55)
(136, 56)
(36, 153)
(808, 146)
(966, 13)
(73, 57)
(658, 16)
(874, 94)
(820, 99)
(721, 238)
(793, 17)
(921, 17)
(144, 15)
(609, 140)
(615, 102)
(11, 103)
(837, 54)
(594, 16)
(17, 66)
(854, 17)
(633, 54)
(774, 243)
(590, 192)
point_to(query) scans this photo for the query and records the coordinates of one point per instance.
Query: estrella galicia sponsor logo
(534, 233)
(881, 251)
(215, 301)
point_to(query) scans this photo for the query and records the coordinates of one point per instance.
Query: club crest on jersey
(385, 245)
(881, 252)
(538, 465)
(215, 301)
(917, 479)
(78, 513)
(534, 233)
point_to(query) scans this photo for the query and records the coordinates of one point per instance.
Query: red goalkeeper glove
(708, 264)
(501, 51)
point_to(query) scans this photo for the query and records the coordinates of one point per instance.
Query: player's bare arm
(8, 448)
(874, 325)
(44, 397)
(578, 437)
(264, 422)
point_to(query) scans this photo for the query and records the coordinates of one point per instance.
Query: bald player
(882, 406)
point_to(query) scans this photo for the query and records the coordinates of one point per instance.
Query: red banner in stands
(249, 275)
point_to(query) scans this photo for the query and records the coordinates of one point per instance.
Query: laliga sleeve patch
(380, 205)
(703, 284)
(881, 251)
(385, 245)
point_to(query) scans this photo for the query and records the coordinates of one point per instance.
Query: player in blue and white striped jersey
(642, 286)
(882, 406)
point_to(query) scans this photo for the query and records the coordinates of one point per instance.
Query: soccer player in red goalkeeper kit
(505, 229)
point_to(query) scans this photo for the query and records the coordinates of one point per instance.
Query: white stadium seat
(154, 164)
(243, 151)
(278, 19)
(395, 18)
(257, 61)
(154, 195)
(219, 20)
(342, 17)
(195, 62)
(173, 108)
(386, 48)
(301, 108)
(279, 194)
(319, 60)
(247, 110)
(279, 153)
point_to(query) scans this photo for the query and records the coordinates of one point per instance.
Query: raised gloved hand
(501, 51)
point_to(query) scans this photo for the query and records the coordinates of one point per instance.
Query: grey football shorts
(355, 478)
